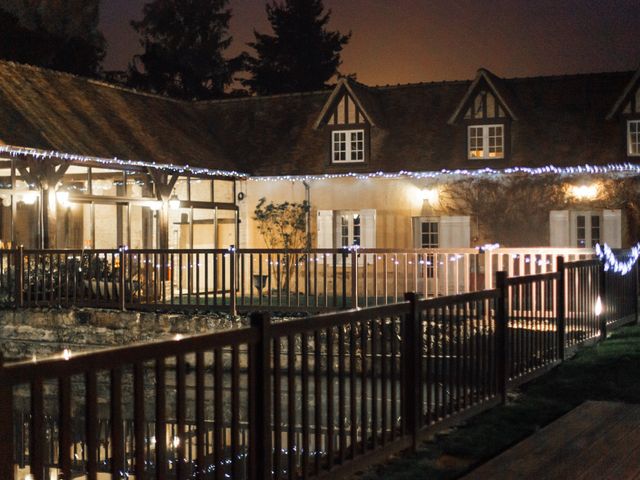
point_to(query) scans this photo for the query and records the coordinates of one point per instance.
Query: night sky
(419, 40)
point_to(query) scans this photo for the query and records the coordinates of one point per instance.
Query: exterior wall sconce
(63, 198)
(155, 205)
(30, 197)
(6, 200)
(584, 192)
(174, 202)
(431, 195)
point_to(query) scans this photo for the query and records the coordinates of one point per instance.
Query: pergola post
(164, 186)
(45, 176)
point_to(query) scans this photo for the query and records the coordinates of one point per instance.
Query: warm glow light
(6, 200)
(174, 202)
(155, 205)
(598, 308)
(178, 337)
(176, 442)
(584, 192)
(66, 354)
(30, 197)
(431, 195)
(63, 198)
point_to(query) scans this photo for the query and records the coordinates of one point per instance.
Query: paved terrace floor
(596, 440)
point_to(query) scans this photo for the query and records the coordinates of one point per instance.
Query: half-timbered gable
(348, 123)
(627, 108)
(487, 115)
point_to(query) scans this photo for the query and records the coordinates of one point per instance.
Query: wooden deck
(597, 440)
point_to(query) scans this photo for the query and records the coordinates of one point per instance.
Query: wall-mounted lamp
(584, 192)
(431, 195)
(6, 200)
(63, 198)
(174, 202)
(155, 205)
(30, 197)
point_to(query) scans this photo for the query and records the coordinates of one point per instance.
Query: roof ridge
(95, 81)
(262, 97)
(457, 82)
(560, 76)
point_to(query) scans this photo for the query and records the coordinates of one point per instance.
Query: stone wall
(41, 332)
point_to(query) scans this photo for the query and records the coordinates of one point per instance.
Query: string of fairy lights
(621, 265)
(586, 169)
(603, 252)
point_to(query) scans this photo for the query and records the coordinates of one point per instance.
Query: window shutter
(559, 228)
(612, 228)
(325, 229)
(417, 227)
(455, 232)
(368, 225)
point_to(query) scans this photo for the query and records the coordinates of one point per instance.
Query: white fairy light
(611, 263)
(69, 157)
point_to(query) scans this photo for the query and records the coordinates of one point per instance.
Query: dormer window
(347, 146)
(633, 138)
(486, 141)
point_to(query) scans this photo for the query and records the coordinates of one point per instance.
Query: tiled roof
(49, 110)
(561, 120)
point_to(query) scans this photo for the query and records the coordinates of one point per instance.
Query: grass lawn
(608, 371)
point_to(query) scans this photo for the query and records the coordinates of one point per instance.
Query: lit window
(429, 239)
(633, 137)
(486, 141)
(347, 146)
(429, 234)
(587, 230)
(350, 232)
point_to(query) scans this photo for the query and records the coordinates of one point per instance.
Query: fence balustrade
(249, 279)
(327, 394)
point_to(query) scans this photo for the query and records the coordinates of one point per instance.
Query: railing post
(411, 353)
(344, 278)
(354, 278)
(602, 293)
(123, 278)
(560, 308)
(502, 335)
(260, 425)
(232, 273)
(6, 426)
(635, 291)
(20, 276)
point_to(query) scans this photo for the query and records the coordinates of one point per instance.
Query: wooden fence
(250, 279)
(312, 397)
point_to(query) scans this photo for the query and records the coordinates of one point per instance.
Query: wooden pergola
(41, 189)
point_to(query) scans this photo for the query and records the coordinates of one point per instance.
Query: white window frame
(431, 258)
(588, 237)
(352, 146)
(633, 143)
(486, 153)
(349, 226)
(429, 221)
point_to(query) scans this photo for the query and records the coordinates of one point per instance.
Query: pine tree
(52, 34)
(183, 42)
(302, 55)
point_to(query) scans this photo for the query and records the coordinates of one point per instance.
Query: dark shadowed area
(419, 40)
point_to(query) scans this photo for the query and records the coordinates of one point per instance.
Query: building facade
(542, 161)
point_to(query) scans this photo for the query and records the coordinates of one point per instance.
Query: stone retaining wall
(41, 332)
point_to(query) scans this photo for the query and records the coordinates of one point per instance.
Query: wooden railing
(301, 398)
(246, 280)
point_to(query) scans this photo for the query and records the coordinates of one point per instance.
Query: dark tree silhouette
(49, 36)
(183, 42)
(302, 55)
